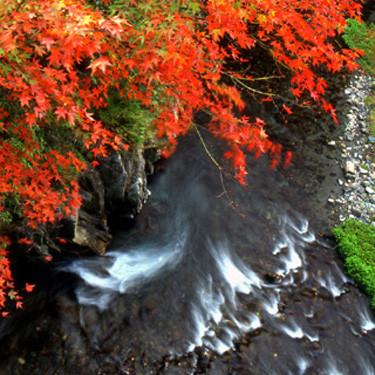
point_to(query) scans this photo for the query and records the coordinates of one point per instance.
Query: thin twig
(206, 149)
(225, 191)
(238, 80)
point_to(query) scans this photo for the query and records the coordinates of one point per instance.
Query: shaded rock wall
(117, 187)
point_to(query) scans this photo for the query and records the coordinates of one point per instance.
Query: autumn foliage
(60, 60)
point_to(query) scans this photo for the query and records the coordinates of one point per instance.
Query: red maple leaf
(29, 288)
(101, 63)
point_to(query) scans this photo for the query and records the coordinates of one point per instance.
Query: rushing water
(203, 284)
(212, 276)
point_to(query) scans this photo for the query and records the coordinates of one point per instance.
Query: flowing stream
(202, 274)
(214, 278)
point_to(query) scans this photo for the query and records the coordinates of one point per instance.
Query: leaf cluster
(7, 288)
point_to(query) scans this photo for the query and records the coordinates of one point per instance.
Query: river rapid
(214, 278)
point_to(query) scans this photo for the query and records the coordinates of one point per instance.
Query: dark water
(204, 284)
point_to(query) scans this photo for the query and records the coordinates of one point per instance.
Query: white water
(127, 270)
(215, 303)
(367, 323)
(216, 285)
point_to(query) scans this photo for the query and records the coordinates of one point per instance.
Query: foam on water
(280, 246)
(295, 237)
(294, 331)
(292, 260)
(128, 270)
(313, 337)
(368, 368)
(271, 304)
(332, 367)
(328, 282)
(239, 277)
(243, 280)
(309, 314)
(303, 365)
(214, 293)
(219, 306)
(366, 321)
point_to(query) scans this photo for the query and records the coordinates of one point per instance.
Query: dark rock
(92, 231)
(356, 211)
(150, 304)
(137, 193)
(309, 293)
(369, 11)
(115, 178)
(125, 182)
(90, 227)
(117, 187)
(271, 277)
(323, 293)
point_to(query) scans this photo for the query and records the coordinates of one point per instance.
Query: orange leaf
(268, 99)
(101, 63)
(287, 109)
(25, 240)
(29, 288)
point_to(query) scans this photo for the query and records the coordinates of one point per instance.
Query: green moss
(130, 119)
(356, 244)
(361, 36)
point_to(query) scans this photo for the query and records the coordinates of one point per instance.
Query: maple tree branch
(259, 78)
(248, 87)
(205, 147)
(269, 50)
(225, 192)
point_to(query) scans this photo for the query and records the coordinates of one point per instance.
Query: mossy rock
(356, 244)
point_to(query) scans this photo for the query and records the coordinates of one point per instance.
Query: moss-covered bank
(356, 244)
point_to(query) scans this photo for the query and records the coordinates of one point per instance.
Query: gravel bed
(357, 155)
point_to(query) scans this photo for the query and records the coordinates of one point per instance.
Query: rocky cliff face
(117, 187)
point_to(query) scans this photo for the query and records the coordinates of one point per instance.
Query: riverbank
(357, 155)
